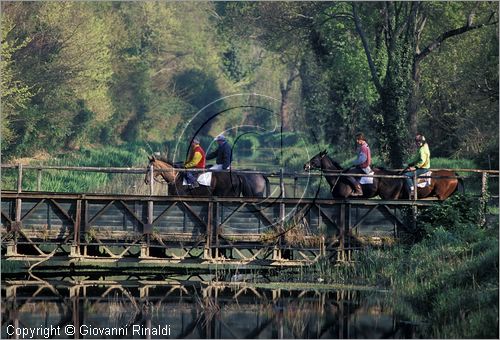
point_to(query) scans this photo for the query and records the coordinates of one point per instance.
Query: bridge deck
(83, 229)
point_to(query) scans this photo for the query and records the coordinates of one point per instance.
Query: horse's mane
(335, 163)
(164, 160)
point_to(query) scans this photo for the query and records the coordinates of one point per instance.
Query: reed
(448, 279)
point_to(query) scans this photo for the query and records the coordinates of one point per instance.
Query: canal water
(115, 309)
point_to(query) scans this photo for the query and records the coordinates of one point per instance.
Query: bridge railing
(283, 183)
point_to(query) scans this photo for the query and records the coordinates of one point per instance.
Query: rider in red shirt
(196, 161)
(362, 162)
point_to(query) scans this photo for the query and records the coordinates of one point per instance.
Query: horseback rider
(222, 154)
(362, 163)
(419, 163)
(196, 160)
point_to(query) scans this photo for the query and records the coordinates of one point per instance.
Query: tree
(14, 93)
(403, 25)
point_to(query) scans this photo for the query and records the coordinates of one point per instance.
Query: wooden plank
(99, 212)
(362, 219)
(164, 212)
(328, 218)
(194, 214)
(6, 217)
(132, 213)
(62, 210)
(32, 209)
(261, 214)
(232, 213)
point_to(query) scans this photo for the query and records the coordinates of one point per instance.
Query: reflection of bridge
(199, 311)
(151, 230)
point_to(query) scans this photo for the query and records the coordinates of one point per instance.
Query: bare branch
(439, 40)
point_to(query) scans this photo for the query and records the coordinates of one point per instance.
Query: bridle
(162, 180)
(322, 170)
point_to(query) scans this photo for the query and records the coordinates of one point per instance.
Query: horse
(443, 184)
(441, 187)
(340, 186)
(254, 185)
(222, 184)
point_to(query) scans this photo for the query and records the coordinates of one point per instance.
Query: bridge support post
(19, 178)
(75, 246)
(343, 228)
(348, 232)
(151, 180)
(11, 249)
(144, 251)
(39, 179)
(484, 198)
(207, 250)
(276, 253)
(74, 251)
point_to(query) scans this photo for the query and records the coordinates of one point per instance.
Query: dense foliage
(83, 74)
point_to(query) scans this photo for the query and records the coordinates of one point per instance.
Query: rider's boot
(358, 191)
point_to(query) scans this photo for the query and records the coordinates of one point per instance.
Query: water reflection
(157, 309)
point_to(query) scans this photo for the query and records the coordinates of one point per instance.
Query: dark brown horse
(223, 184)
(443, 184)
(254, 185)
(340, 186)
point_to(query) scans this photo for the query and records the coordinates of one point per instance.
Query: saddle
(424, 182)
(367, 180)
(203, 179)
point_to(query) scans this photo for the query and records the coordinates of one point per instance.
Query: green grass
(449, 163)
(79, 181)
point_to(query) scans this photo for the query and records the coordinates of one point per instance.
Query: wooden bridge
(81, 230)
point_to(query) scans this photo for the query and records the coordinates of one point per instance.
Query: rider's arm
(195, 160)
(361, 158)
(226, 156)
(212, 154)
(416, 159)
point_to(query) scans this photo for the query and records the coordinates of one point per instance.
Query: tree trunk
(414, 100)
(396, 97)
(285, 89)
(284, 112)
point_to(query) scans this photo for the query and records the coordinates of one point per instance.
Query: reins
(338, 177)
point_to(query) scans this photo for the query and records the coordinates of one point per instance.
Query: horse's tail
(246, 188)
(460, 186)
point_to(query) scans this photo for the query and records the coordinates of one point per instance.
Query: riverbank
(448, 277)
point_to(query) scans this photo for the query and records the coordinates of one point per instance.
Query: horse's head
(159, 168)
(315, 162)
(323, 162)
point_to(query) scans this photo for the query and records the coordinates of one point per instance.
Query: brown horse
(443, 184)
(223, 184)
